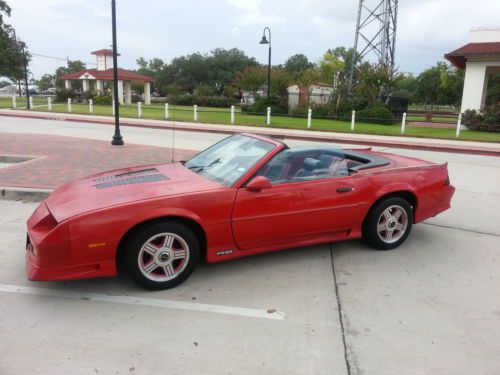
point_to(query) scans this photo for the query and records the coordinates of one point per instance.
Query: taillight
(447, 181)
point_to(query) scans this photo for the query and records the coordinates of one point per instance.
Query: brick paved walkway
(61, 159)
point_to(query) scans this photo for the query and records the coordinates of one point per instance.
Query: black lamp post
(265, 41)
(117, 137)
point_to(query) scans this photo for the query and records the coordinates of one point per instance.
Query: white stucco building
(480, 58)
(93, 79)
(319, 93)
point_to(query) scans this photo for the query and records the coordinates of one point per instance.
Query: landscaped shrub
(376, 115)
(279, 105)
(298, 112)
(347, 105)
(62, 95)
(102, 99)
(489, 120)
(321, 110)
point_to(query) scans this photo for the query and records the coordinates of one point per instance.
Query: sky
(165, 28)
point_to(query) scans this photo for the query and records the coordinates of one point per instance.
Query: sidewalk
(427, 144)
(57, 159)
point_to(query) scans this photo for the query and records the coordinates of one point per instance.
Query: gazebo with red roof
(480, 59)
(101, 77)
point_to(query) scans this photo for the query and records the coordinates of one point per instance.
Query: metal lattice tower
(375, 33)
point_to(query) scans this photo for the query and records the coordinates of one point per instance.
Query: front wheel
(162, 255)
(388, 224)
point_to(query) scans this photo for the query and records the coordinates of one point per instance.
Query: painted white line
(140, 301)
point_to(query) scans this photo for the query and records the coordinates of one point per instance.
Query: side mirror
(258, 183)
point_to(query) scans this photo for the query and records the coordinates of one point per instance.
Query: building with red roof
(99, 79)
(480, 58)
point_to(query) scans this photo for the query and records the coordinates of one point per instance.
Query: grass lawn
(222, 116)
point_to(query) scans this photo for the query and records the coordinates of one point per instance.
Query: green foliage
(4, 84)
(279, 105)
(493, 93)
(102, 99)
(202, 101)
(298, 63)
(378, 114)
(62, 95)
(489, 120)
(47, 81)
(74, 66)
(203, 90)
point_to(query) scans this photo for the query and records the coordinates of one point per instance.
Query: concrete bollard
(459, 124)
(91, 105)
(195, 113)
(232, 114)
(139, 109)
(353, 120)
(403, 123)
(268, 116)
(166, 111)
(14, 101)
(69, 105)
(49, 103)
(309, 115)
(31, 102)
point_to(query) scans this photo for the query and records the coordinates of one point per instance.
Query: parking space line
(140, 301)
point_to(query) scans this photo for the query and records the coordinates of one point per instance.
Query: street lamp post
(117, 137)
(265, 41)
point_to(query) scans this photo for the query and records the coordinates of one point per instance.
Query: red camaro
(244, 195)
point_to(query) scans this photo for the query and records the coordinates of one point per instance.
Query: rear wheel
(162, 255)
(388, 224)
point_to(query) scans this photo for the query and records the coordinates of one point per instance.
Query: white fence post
(309, 114)
(14, 103)
(195, 113)
(403, 123)
(49, 103)
(139, 109)
(91, 105)
(166, 111)
(268, 116)
(69, 105)
(31, 102)
(232, 114)
(353, 120)
(459, 124)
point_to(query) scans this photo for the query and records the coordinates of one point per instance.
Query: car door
(294, 211)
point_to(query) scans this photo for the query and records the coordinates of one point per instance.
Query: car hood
(124, 186)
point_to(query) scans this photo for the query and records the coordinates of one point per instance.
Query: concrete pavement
(431, 306)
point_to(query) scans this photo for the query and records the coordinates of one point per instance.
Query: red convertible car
(245, 195)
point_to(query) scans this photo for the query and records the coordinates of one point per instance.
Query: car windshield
(227, 161)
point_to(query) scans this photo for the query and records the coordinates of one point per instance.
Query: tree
(251, 79)
(11, 49)
(330, 65)
(47, 81)
(4, 84)
(151, 68)
(298, 63)
(74, 66)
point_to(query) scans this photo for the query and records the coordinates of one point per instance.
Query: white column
(128, 92)
(268, 116)
(139, 109)
(14, 103)
(474, 86)
(49, 103)
(403, 123)
(85, 85)
(195, 113)
(309, 115)
(353, 120)
(69, 104)
(232, 114)
(91, 105)
(166, 111)
(147, 93)
(98, 85)
(120, 91)
(67, 84)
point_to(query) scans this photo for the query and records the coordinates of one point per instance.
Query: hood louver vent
(136, 177)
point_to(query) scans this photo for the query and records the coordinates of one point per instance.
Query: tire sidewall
(370, 233)
(137, 241)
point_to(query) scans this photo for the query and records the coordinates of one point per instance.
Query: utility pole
(117, 137)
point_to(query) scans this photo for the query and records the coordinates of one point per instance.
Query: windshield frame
(277, 146)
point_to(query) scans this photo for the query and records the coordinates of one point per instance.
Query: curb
(275, 132)
(24, 194)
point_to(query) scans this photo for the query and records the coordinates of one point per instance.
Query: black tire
(139, 248)
(383, 241)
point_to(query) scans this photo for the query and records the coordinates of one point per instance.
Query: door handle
(344, 189)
